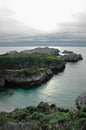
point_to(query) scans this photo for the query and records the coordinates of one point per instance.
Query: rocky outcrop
(80, 102)
(67, 52)
(16, 78)
(12, 52)
(28, 70)
(72, 57)
(22, 79)
(47, 50)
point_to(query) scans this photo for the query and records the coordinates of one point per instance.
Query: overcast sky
(41, 16)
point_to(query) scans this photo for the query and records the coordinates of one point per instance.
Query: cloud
(78, 25)
(10, 27)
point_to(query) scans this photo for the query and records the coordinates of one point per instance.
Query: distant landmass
(42, 43)
(55, 39)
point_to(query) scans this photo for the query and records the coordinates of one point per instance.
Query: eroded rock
(80, 102)
(46, 50)
(72, 57)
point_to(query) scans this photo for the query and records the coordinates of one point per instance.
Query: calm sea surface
(62, 89)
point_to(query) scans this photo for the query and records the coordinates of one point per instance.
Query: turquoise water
(62, 89)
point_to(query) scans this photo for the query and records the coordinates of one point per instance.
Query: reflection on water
(62, 89)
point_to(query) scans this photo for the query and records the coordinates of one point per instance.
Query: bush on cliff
(21, 61)
(38, 118)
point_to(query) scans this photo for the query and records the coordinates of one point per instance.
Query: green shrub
(37, 116)
(21, 60)
(83, 109)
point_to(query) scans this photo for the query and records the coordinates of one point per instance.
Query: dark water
(62, 89)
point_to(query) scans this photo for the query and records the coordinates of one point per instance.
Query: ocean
(62, 89)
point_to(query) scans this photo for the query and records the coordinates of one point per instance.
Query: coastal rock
(2, 82)
(47, 50)
(15, 79)
(12, 52)
(28, 70)
(67, 51)
(22, 79)
(72, 57)
(80, 102)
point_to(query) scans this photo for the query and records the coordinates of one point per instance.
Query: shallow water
(62, 89)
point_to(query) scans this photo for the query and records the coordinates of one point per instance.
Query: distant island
(51, 39)
(63, 43)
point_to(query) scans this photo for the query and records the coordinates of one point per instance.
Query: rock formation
(15, 79)
(80, 102)
(71, 57)
(28, 70)
(46, 50)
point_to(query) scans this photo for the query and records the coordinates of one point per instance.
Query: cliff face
(18, 78)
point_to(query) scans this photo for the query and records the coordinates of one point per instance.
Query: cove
(62, 89)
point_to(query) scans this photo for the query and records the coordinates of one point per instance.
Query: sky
(34, 17)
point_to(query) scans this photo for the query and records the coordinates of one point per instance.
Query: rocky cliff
(22, 79)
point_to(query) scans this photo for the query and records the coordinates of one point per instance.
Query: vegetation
(25, 72)
(43, 117)
(23, 60)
